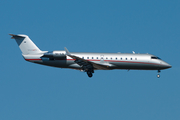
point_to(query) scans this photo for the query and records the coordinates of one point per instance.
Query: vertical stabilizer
(25, 44)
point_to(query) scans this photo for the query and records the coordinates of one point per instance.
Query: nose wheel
(158, 75)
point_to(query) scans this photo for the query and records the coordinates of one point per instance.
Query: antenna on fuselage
(133, 52)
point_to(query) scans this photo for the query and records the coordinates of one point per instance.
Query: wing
(88, 64)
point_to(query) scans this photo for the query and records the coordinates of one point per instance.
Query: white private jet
(88, 62)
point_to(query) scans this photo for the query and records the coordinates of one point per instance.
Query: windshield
(154, 57)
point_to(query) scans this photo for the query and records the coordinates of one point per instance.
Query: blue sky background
(34, 92)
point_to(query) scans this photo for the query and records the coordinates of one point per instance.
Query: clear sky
(34, 92)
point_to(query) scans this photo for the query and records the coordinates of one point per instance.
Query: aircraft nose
(169, 66)
(166, 65)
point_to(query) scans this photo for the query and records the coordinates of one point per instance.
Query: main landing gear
(158, 75)
(90, 72)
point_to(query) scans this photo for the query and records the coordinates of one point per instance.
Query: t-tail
(25, 44)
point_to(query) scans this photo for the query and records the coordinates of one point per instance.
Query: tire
(89, 74)
(158, 75)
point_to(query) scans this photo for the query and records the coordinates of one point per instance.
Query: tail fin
(25, 44)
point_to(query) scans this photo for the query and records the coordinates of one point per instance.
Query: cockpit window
(153, 57)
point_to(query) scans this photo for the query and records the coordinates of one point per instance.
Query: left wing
(88, 64)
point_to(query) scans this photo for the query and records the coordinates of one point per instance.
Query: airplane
(88, 62)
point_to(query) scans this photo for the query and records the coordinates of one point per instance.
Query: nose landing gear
(158, 75)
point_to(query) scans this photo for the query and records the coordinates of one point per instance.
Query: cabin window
(106, 58)
(135, 58)
(87, 57)
(116, 58)
(131, 58)
(111, 58)
(126, 58)
(92, 57)
(82, 57)
(121, 58)
(97, 57)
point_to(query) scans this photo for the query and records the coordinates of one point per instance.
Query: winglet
(67, 52)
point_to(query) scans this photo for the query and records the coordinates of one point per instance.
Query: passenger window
(92, 57)
(135, 58)
(126, 58)
(82, 57)
(87, 57)
(121, 58)
(131, 58)
(97, 57)
(116, 58)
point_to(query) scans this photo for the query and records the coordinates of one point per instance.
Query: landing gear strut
(158, 75)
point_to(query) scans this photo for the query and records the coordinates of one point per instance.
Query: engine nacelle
(59, 54)
(55, 54)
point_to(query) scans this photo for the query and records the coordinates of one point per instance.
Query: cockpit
(154, 57)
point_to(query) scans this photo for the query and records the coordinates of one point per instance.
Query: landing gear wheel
(158, 75)
(89, 74)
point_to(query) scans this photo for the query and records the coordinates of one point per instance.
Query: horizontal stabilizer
(13, 36)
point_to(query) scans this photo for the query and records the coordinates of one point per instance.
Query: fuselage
(112, 60)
